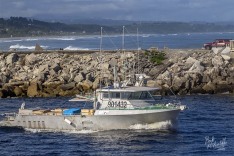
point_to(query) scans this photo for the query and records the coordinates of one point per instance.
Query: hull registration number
(117, 104)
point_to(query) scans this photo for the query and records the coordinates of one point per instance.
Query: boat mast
(124, 58)
(100, 76)
(100, 53)
(123, 40)
(138, 51)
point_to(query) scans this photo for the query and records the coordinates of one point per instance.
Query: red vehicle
(217, 43)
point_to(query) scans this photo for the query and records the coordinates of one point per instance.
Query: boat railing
(9, 116)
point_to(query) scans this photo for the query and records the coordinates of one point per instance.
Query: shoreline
(116, 34)
(67, 73)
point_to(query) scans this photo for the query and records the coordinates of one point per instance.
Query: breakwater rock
(66, 74)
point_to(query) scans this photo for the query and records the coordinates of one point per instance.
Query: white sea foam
(64, 38)
(18, 46)
(164, 125)
(172, 34)
(31, 39)
(75, 48)
(58, 131)
(146, 36)
(9, 41)
(81, 131)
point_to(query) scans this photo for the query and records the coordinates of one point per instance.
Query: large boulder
(87, 58)
(4, 78)
(209, 87)
(226, 57)
(32, 89)
(166, 77)
(217, 61)
(41, 69)
(56, 67)
(216, 50)
(153, 72)
(178, 83)
(21, 76)
(105, 66)
(86, 85)
(68, 86)
(226, 51)
(190, 60)
(197, 90)
(18, 91)
(31, 59)
(224, 88)
(230, 80)
(65, 77)
(197, 67)
(2, 64)
(151, 83)
(11, 58)
(80, 77)
(96, 83)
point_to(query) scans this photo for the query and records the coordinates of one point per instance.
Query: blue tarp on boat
(72, 111)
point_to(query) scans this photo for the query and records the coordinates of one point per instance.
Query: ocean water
(113, 42)
(205, 128)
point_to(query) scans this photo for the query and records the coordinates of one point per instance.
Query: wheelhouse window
(125, 95)
(141, 95)
(144, 95)
(111, 95)
(115, 95)
(105, 95)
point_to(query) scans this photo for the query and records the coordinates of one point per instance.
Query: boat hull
(92, 122)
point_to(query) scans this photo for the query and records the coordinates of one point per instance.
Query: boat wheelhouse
(125, 98)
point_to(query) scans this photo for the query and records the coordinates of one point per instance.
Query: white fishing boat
(114, 107)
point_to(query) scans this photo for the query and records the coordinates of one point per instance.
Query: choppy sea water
(113, 42)
(206, 128)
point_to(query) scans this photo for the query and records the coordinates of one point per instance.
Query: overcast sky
(141, 10)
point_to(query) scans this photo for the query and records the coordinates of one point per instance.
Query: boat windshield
(141, 95)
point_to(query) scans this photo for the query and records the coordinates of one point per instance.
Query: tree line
(20, 26)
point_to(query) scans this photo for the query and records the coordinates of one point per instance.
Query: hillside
(19, 27)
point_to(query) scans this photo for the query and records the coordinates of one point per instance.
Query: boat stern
(8, 120)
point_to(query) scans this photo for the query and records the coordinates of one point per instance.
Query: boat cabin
(124, 98)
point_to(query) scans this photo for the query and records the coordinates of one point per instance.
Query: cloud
(174, 10)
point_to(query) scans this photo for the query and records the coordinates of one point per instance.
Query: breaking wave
(75, 48)
(31, 39)
(9, 41)
(64, 39)
(19, 40)
(18, 46)
(164, 125)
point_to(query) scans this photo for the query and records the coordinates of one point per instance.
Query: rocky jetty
(66, 74)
